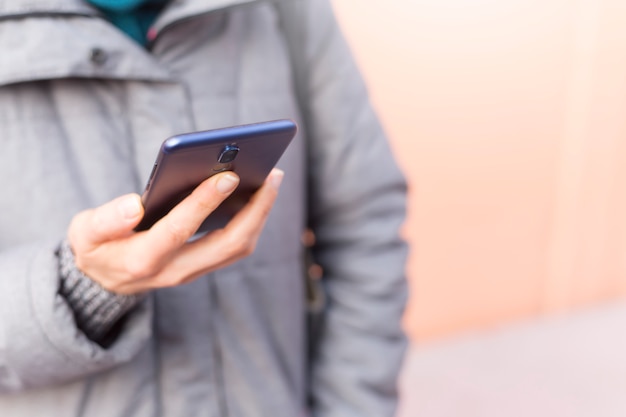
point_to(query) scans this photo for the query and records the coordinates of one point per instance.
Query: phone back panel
(186, 160)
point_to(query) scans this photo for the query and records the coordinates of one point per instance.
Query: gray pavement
(567, 366)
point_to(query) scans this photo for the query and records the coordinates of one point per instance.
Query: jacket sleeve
(357, 205)
(40, 343)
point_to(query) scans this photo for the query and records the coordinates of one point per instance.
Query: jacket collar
(176, 10)
(179, 10)
(60, 51)
(16, 8)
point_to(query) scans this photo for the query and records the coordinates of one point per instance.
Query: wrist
(96, 309)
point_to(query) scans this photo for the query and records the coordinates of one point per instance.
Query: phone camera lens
(228, 154)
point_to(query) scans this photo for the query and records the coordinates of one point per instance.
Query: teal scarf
(133, 17)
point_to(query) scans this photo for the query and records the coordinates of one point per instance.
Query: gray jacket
(83, 110)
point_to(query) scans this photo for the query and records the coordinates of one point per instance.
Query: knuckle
(204, 198)
(138, 268)
(178, 233)
(241, 246)
(234, 245)
(206, 204)
(248, 250)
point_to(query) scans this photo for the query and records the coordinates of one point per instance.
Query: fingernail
(130, 207)
(276, 178)
(227, 183)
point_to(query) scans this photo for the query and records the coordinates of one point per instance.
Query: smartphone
(184, 161)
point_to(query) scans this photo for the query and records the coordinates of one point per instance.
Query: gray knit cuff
(96, 310)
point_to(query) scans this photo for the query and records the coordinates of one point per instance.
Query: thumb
(110, 221)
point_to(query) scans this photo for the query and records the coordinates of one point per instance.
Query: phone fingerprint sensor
(222, 167)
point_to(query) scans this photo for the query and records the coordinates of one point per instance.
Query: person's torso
(83, 111)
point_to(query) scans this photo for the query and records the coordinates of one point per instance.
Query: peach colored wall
(509, 119)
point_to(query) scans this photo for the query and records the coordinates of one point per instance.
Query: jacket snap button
(98, 56)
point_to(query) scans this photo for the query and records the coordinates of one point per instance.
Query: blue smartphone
(184, 161)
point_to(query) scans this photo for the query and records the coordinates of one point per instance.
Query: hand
(108, 251)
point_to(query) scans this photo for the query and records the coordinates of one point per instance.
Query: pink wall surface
(508, 118)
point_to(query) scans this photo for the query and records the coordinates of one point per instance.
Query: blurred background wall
(508, 117)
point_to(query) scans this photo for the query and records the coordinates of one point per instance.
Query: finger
(110, 221)
(223, 247)
(255, 213)
(182, 222)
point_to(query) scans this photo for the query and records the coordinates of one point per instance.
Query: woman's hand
(126, 262)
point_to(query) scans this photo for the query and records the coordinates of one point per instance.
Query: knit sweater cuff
(96, 310)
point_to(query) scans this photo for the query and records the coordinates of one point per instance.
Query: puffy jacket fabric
(83, 110)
